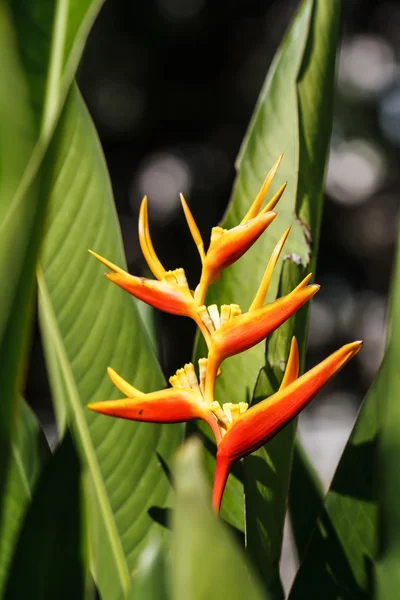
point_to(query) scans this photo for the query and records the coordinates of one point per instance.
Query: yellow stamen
(235, 311)
(216, 233)
(205, 317)
(266, 280)
(220, 414)
(192, 377)
(146, 244)
(255, 207)
(194, 230)
(174, 381)
(202, 374)
(243, 406)
(182, 378)
(214, 315)
(122, 385)
(225, 313)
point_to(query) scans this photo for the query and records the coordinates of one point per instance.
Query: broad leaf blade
(88, 324)
(50, 559)
(306, 498)
(387, 571)
(338, 561)
(41, 43)
(29, 452)
(150, 580)
(205, 559)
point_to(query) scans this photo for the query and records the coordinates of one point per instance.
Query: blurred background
(171, 86)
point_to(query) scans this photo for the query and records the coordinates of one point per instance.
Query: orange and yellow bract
(238, 429)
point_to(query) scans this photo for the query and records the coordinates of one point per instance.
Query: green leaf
(267, 471)
(41, 43)
(150, 581)
(387, 571)
(306, 498)
(338, 560)
(29, 452)
(297, 95)
(206, 561)
(50, 559)
(89, 324)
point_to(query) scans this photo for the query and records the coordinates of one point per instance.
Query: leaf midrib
(89, 451)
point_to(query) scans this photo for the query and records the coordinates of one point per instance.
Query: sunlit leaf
(89, 324)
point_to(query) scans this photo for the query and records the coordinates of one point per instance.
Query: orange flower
(244, 431)
(184, 401)
(227, 246)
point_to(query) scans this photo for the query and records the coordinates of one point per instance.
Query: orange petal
(165, 296)
(167, 406)
(247, 330)
(232, 244)
(264, 420)
(172, 405)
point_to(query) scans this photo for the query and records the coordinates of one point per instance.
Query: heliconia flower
(184, 401)
(227, 246)
(231, 332)
(170, 292)
(245, 430)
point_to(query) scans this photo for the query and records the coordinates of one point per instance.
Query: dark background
(171, 86)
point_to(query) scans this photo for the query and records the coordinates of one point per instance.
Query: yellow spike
(292, 366)
(194, 230)
(123, 385)
(107, 263)
(255, 207)
(303, 283)
(145, 242)
(266, 280)
(274, 201)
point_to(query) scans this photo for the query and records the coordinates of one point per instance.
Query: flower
(227, 246)
(231, 332)
(170, 291)
(245, 430)
(184, 401)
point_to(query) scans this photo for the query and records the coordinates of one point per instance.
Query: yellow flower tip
(275, 199)
(256, 205)
(122, 385)
(146, 244)
(107, 263)
(194, 230)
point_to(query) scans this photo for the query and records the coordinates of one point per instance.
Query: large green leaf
(40, 45)
(306, 498)
(50, 559)
(150, 581)
(205, 559)
(387, 569)
(29, 451)
(338, 560)
(88, 324)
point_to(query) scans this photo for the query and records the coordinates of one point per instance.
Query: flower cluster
(238, 429)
